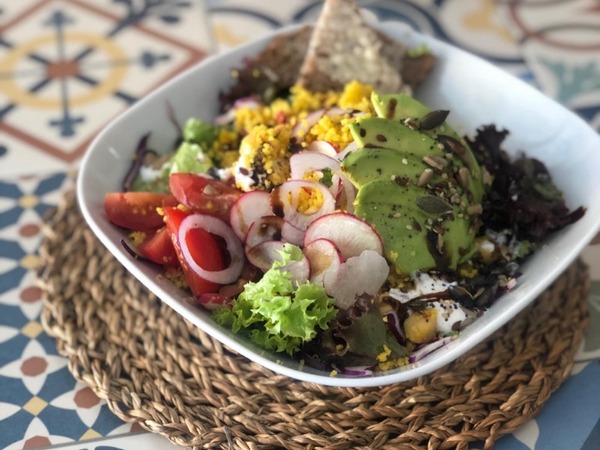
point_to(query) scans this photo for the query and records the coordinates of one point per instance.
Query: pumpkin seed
(433, 205)
(433, 119)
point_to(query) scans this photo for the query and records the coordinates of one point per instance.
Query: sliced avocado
(418, 184)
(368, 164)
(398, 107)
(384, 133)
(406, 109)
(409, 221)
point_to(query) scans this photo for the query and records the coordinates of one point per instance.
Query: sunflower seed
(425, 177)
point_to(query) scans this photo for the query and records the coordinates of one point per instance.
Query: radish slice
(232, 243)
(363, 274)
(308, 163)
(306, 124)
(350, 234)
(323, 147)
(291, 234)
(249, 207)
(347, 195)
(267, 228)
(266, 253)
(349, 148)
(324, 257)
(301, 163)
(336, 111)
(300, 202)
(229, 116)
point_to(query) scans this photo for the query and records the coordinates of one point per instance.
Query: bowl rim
(418, 369)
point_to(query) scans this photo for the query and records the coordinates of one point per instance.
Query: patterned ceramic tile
(559, 56)
(68, 67)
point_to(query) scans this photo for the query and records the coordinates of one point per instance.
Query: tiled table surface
(68, 66)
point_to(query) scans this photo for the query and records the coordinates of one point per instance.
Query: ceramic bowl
(475, 92)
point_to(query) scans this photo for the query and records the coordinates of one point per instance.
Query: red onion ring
(233, 245)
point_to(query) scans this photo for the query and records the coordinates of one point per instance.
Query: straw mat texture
(154, 368)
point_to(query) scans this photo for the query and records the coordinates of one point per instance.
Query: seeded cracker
(343, 47)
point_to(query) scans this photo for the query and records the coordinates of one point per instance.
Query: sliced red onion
(136, 163)
(285, 199)
(233, 246)
(229, 116)
(426, 349)
(395, 327)
(133, 252)
(358, 371)
(225, 118)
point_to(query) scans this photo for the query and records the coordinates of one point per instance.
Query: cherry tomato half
(204, 195)
(204, 249)
(136, 210)
(158, 248)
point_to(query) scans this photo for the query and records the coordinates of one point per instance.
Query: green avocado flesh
(418, 183)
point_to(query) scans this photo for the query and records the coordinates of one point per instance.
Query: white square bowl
(476, 93)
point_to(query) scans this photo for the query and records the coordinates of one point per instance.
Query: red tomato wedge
(136, 210)
(204, 195)
(158, 248)
(204, 249)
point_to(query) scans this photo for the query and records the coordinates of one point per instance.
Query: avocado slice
(418, 184)
(406, 109)
(409, 220)
(384, 133)
(368, 164)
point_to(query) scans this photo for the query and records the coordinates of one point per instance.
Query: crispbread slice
(343, 47)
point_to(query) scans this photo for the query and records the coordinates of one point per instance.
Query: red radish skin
(350, 234)
(249, 207)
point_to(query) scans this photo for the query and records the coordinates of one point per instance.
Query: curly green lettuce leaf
(274, 313)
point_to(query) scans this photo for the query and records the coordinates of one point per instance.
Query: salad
(352, 229)
(311, 227)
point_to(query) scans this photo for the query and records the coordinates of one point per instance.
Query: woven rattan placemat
(155, 368)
